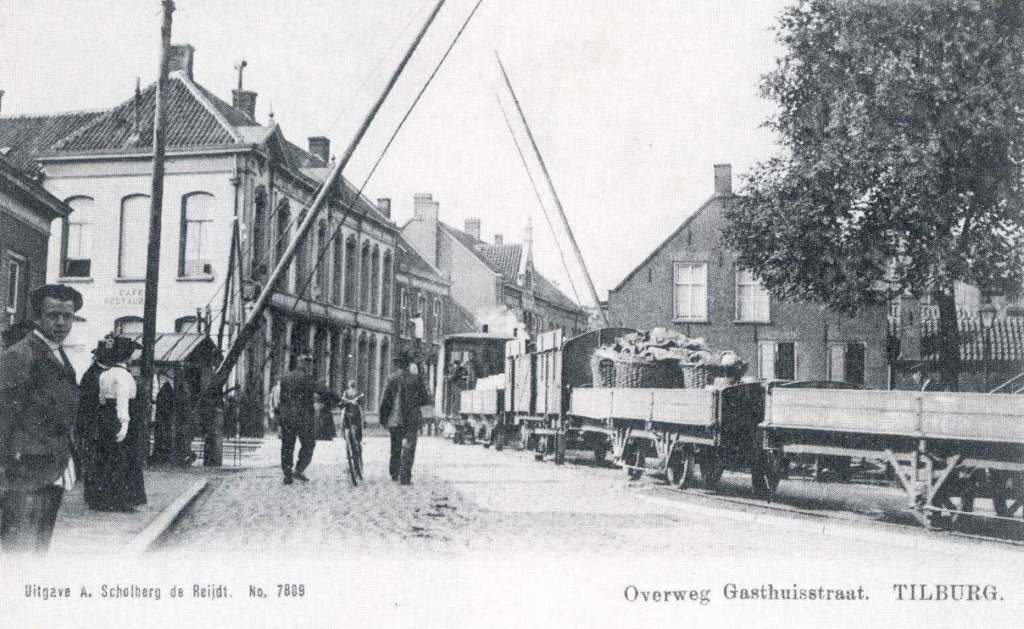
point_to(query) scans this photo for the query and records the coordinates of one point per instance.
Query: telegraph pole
(155, 216)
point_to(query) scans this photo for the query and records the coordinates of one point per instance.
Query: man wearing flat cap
(404, 395)
(296, 415)
(38, 402)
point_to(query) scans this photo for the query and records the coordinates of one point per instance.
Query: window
(403, 314)
(385, 294)
(364, 278)
(336, 278)
(259, 215)
(437, 320)
(375, 281)
(350, 272)
(318, 265)
(752, 301)
(130, 325)
(690, 291)
(846, 362)
(134, 237)
(16, 281)
(196, 243)
(188, 324)
(76, 256)
(777, 360)
(284, 219)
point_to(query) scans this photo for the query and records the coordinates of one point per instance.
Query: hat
(60, 292)
(117, 348)
(403, 357)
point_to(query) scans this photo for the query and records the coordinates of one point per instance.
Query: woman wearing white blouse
(117, 389)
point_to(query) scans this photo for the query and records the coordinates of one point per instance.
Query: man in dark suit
(400, 404)
(296, 416)
(38, 402)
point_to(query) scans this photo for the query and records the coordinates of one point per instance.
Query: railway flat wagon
(542, 375)
(675, 431)
(946, 449)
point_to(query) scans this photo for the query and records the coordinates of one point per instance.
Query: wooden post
(558, 204)
(155, 217)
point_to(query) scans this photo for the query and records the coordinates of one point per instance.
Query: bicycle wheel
(357, 455)
(350, 457)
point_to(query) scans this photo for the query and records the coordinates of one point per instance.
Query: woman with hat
(88, 427)
(117, 390)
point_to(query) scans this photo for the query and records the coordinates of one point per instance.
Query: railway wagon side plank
(632, 403)
(973, 417)
(591, 403)
(691, 407)
(836, 410)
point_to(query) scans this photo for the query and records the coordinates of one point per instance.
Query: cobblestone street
(467, 499)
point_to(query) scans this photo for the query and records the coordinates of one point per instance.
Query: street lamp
(987, 314)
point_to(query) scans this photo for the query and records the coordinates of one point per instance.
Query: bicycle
(353, 443)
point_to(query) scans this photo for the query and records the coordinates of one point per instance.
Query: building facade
(497, 282)
(224, 169)
(691, 283)
(26, 213)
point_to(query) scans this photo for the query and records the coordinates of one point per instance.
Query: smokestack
(1, 101)
(473, 228)
(181, 58)
(384, 205)
(723, 179)
(321, 148)
(499, 239)
(244, 101)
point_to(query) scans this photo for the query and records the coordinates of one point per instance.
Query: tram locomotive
(946, 449)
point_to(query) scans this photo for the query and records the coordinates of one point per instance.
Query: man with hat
(296, 415)
(400, 404)
(38, 402)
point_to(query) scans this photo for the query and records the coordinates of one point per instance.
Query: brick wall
(645, 300)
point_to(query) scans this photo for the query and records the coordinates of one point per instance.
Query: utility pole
(155, 216)
(558, 203)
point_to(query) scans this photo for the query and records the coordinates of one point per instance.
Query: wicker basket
(643, 373)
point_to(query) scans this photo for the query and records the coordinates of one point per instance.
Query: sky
(631, 104)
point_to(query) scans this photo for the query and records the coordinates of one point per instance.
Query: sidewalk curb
(824, 526)
(144, 540)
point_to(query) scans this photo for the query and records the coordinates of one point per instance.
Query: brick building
(26, 212)
(425, 312)
(495, 282)
(691, 283)
(221, 164)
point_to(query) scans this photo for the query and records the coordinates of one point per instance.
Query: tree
(901, 126)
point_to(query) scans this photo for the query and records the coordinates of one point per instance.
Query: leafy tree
(900, 124)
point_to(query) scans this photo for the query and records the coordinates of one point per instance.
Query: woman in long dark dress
(91, 438)
(118, 453)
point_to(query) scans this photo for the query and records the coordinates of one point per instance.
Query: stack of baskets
(659, 359)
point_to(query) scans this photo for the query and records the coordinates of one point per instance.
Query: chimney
(181, 59)
(384, 205)
(723, 179)
(321, 148)
(422, 231)
(1, 100)
(499, 239)
(244, 101)
(473, 228)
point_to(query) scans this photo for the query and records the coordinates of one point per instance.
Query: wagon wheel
(766, 472)
(559, 449)
(680, 467)
(710, 468)
(542, 447)
(633, 461)
(1003, 488)
(499, 437)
